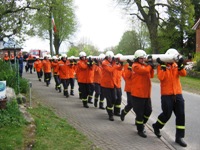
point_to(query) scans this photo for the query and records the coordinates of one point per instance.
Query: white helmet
(109, 54)
(37, 57)
(140, 54)
(172, 51)
(64, 55)
(82, 54)
(101, 56)
(54, 57)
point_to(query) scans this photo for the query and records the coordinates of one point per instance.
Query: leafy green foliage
(197, 60)
(8, 74)
(11, 116)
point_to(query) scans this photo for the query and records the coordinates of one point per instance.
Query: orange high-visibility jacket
(117, 76)
(46, 64)
(71, 71)
(53, 66)
(38, 65)
(141, 80)
(62, 69)
(90, 74)
(97, 74)
(82, 69)
(107, 80)
(169, 79)
(127, 76)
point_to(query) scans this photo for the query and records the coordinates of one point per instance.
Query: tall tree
(147, 13)
(176, 32)
(63, 13)
(129, 43)
(14, 16)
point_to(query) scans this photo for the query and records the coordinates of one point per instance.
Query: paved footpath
(94, 123)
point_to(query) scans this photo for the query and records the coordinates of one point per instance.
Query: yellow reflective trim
(139, 122)
(110, 108)
(102, 101)
(118, 106)
(162, 123)
(146, 117)
(125, 111)
(84, 100)
(90, 96)
(180, 127)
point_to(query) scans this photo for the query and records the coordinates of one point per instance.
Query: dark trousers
(57, 80)
(47, 77)
(84, 90)
(65, 83)
(71, 83)
(142, 108)
(40, 74)
(109, 94)
(91, 91)
(176, 104)
(118, 96)
(129, 104)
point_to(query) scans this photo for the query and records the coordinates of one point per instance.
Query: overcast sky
(100, 23)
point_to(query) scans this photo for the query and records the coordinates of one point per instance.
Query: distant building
(197, 28)
(9, 47)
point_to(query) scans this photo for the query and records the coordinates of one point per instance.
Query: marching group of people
(102, 78)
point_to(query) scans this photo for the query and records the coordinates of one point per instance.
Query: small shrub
(11, 115)
(197, 60)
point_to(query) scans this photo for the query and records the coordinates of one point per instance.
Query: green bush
(11, 115)
(8, 73)
(197, 61)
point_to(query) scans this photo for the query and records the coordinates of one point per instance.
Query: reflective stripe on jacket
(169, 79)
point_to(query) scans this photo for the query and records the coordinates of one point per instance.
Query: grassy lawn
(53, 132)
(188, 84)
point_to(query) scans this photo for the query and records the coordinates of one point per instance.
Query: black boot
(156, 130)
(142, 134)
(101, 105)
(85, 104)
(181, 142)
(111, 118)
(66, 94)
(72, 92)
(122, 115)
(117, 111)
(95, 102)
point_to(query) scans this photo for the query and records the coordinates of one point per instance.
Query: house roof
(196, 25)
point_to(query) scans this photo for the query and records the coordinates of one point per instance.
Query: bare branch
(137, 16)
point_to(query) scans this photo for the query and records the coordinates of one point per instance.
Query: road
(192, 106)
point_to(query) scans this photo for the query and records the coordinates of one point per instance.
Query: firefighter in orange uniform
(72, 75)
(171, 96)
(47, 69)
(38, 68)
(107, 82)
(97, 86)
(127, 76)
(54, 64)
(141, 91)
(63, 70)
(6, 57)
(83, 77)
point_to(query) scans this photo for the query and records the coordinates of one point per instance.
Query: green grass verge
(53, 132)
(188, 84)
(11, 137)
